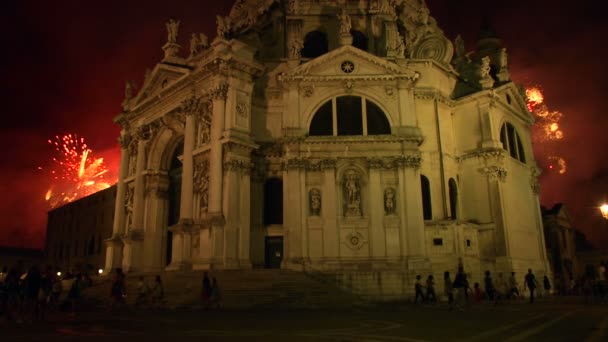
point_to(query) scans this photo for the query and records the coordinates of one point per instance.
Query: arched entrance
(175, 187)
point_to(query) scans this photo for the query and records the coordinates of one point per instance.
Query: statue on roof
(459, 47)
(172, 27)
(198, 42)
(223, 27)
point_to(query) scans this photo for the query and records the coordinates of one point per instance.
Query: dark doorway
(175, 190)
(274, 252)
(273, 201)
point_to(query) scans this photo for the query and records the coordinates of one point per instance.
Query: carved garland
(494, 173)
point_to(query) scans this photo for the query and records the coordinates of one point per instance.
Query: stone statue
(352, 194)
(315, 202)
(129, 90)
(484, 68)
(172, 27)
(389, 201)
(296, 43)
(345, 22)
(204, 130)
(198, 42)
(503, 59)
(459, 46)
(292, 6)
(223, 27)
(400, 46)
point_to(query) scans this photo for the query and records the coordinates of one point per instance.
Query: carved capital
(157, 185)
(494, 173)
(147, 131)
(192, 105)
(124, 140)
(238, 165)
(219, 91)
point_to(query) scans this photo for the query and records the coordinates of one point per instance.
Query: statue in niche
(315, 202)
(172, 27)
(292, 6)
(389, 201)
(352, 194)
(345, 23)
(132, 158)
(204, 130)
(201, 183)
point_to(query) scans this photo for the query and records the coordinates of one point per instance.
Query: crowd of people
(460, 294)
(30, 295)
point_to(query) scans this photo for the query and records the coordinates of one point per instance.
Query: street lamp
(604, 210)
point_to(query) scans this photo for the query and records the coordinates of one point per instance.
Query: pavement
(568, 319)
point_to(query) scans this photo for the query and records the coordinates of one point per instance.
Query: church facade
(345, 137)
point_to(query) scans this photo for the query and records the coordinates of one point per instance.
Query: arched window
(511, 142)
(349, 115)
(315, 44)
(427, 210)
(453, 191)
(359, 40)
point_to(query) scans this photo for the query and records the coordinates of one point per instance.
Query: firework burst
(547, 128)
(75, 172)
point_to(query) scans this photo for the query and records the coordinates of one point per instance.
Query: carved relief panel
(201, 185)
(314, 196)
(390, 204)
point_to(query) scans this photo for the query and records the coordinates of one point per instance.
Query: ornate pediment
(348, 62)
(157, 80)
(515, 98)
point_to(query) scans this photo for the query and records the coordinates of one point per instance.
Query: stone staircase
(242, 289)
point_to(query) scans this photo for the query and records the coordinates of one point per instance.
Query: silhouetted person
(530, 282)
(489, 286)
(546, 284)
(206, 290)
(430, 290)
(448, 288)
(418, 289)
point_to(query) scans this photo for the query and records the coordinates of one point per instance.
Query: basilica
(345, 137)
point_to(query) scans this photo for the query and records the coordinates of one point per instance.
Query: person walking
(118, 290)
(157, 292)
(448, 288)
(546, 285)
(142, 292)
(530, 283)
(513, 286)
(418, 289)
(431, 297)
(460, 286)
(216, 294)
(206, 291)
(489, 287)
(75, 293)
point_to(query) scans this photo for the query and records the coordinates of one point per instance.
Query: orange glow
(78, 173)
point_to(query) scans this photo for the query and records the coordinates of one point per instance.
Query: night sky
(64, 65)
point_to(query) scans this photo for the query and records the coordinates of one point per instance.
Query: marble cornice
(394, 162)
(484, 153)
(332, 78)
(432, 94)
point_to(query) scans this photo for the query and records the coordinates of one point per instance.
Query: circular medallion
(354, 240)
(347, 67)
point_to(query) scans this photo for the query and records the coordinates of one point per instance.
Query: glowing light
(560, 163)
(76, 173)
(59, 274)
(604, 210)
(100, 271)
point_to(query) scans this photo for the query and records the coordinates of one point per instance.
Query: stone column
(157, 185)
(182, 232)
(292, 220)
(377, 235)
(232, 195)
(133, 238)
(215, 237)
(329, 212)
(114, 243)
